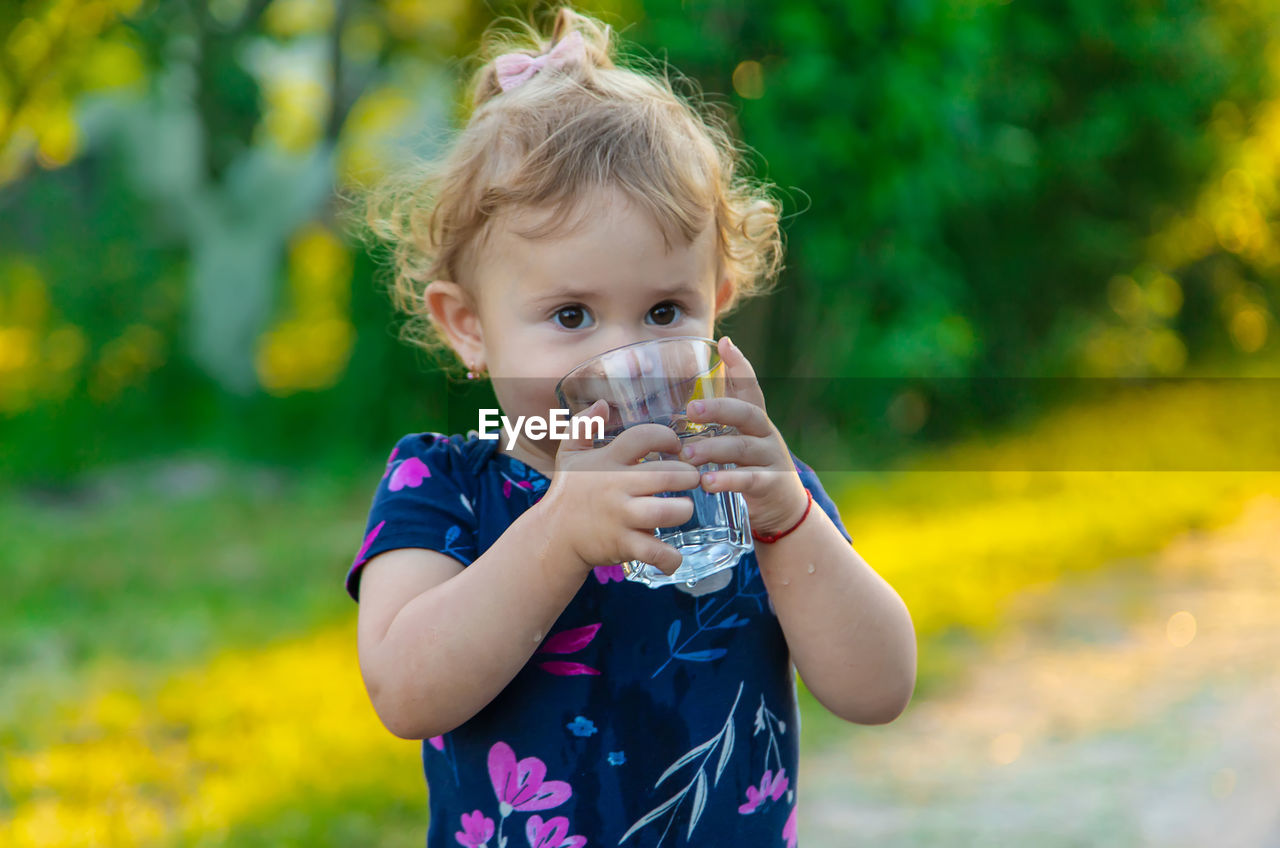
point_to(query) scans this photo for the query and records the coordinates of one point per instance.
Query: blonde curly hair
(548, 144)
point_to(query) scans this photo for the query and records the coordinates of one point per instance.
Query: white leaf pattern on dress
(698, 783)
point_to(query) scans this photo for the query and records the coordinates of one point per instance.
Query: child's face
(545, 305)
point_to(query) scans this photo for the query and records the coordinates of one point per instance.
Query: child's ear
(723, 294)
(454, 312)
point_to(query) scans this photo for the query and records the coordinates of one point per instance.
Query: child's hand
(765, 474)
(603, 505)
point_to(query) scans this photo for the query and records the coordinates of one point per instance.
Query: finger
(739, 450)
(639, 441)
(586, 433)
(646, 548)
(748, 481)
(740, 414)
(651, 512)
(667, 475)
(742, 377)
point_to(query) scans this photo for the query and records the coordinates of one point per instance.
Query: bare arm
(850, 635)
(434, 661)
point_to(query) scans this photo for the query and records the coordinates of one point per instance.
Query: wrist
(775, 525)
(557, 549)
(770, 538)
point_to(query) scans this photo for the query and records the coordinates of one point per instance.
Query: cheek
(524, 387)
(531, 362)
(702, 325)
(538, 357)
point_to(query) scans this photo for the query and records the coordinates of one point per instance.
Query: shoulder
(423, 454)
(426, 498)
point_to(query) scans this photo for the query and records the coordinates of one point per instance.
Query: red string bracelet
(770, 538)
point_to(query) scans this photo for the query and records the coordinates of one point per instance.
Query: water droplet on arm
(812, 568)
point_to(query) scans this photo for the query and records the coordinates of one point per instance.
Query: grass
(172, 579)
(198, 685)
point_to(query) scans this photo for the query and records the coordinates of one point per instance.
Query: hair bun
(526, 39)
(598, 37)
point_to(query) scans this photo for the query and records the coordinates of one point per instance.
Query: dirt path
(1138, 708)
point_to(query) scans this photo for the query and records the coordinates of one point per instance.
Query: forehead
(606, 237)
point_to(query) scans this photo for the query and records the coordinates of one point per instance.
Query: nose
(623, 336)
(638, 362)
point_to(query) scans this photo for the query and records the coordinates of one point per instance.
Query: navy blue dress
(648, 717)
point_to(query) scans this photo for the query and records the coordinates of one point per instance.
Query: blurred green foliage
(972, 177)
(970, 189)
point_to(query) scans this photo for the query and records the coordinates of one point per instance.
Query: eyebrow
(573, 294)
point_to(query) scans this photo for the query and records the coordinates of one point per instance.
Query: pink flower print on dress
(568, 642)
(477, 830)
(789, 829)
(567, 669)
(437, 742)
(409, 473)
(551, 834)
(368, 543)
(770, 787)
(390, 460)
(608, 573)
(506, 486)
(520, 785)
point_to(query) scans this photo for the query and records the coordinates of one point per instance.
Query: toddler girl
(586, 206)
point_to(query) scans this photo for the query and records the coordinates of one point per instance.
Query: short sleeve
(421, 502)
(820, 497)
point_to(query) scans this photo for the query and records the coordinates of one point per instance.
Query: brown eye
(570, 317)
(663, 314)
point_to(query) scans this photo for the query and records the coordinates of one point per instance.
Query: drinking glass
(654, 381)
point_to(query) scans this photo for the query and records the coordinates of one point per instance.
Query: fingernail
(686, 452)
(709, 478)
(696, 407)
(730, 343)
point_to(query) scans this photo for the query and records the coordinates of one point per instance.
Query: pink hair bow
(515, 69)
